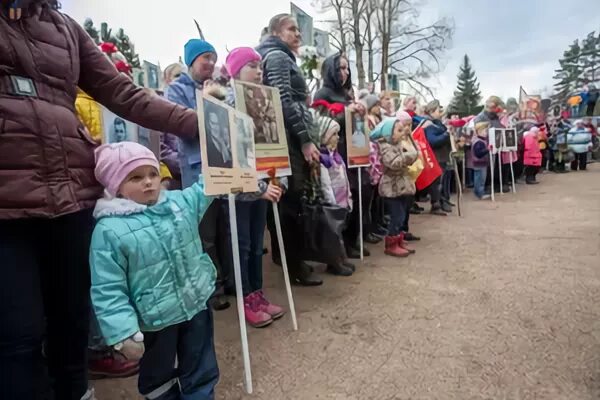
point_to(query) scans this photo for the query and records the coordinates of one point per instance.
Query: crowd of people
(115, 259)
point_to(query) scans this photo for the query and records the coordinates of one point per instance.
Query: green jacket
(149, 270)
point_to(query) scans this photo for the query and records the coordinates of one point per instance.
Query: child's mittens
(132, 348)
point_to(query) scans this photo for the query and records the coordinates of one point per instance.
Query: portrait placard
(262, 104)
(116, 129)
(151, 75)
(149, 139)
(218, 127)
(495, 139)
(509, 140)
(357, 140)
(245, 152)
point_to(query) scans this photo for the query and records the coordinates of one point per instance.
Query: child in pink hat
(244, 65)
(150, 276)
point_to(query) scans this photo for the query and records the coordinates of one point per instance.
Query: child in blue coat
(150, 277)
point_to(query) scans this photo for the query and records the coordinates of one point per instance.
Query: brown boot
(392, 248)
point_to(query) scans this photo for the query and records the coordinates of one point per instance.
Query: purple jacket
(169, 152)
(479, 152)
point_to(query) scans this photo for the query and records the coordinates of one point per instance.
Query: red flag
(431, 170)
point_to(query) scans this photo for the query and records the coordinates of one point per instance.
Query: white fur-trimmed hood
(115, 206)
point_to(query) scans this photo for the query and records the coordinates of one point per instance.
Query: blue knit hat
(383, 130)
(194, 48)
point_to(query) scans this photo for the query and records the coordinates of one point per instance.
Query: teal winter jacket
(149, 270)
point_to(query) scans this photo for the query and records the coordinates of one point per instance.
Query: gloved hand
(132, 348)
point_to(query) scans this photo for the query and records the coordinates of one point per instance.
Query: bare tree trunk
(338, 5)
(358, 7)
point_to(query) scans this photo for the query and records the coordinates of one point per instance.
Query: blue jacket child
(150, 276)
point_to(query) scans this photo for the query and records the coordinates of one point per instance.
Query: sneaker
(348, 264)
(485, 197)
(273, 310)
(371, 238)
(437, 210)
(253, 312)
(112, 365)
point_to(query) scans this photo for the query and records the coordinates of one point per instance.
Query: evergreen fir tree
(570, 75)
(590, 57)
(467, 95)
(91, 30)
(127, 48)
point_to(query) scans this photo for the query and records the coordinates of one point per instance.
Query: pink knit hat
(116, 160)
(238, 57)
(403, 116)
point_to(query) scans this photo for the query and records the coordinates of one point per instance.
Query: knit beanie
(115, 161)
(327, 127)
(403, 116)
(194, 48)
(384, 129)
(370, 101)
(238, 58)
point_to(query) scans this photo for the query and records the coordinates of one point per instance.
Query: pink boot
(273, 310)
(255, 317)
(403, 244)
(392, 248)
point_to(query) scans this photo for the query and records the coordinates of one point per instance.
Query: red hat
(108, 47)
(122, 66)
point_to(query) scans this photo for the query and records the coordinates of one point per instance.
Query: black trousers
(195, 373)
(352, 232)
(580, 162)
(45, 289)
(434, 191)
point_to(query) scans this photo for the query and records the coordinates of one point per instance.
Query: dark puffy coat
(281, 71)
(46, 157)
(439, 140)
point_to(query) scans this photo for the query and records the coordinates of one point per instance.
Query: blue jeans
(479, 177)
(398, 208)
(251, 222)
(180, 361)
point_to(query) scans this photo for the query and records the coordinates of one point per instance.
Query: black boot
(348, 264)
(436, 209)
(219, 303)
(372, 239)
(530, 180)
(339, 269)
(409, 237)
(446, 207)
(305, 276)
(415, 209)
(354, 253)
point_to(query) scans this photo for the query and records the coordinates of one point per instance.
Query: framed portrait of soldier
(262, 105)
(151, 75)
(116, 129)
(149, 139)
(138, 77)
(357, 140)
(244, 153)
(509, 139)
(218, 129)
(495, 139)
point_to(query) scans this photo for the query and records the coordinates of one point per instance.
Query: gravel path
(503, 303)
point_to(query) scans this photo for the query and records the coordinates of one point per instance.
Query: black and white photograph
(149, 139)
(117, 129)
(151, 75)
(357, 140)
(139, 77)
(510, 140)
(218, 139)
(259, 106)
(495, 139)
(245, 142)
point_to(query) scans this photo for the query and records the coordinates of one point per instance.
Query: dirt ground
(503, 303)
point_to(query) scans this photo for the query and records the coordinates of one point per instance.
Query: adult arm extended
(101, 80)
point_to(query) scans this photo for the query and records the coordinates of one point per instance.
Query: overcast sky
(510, 42)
